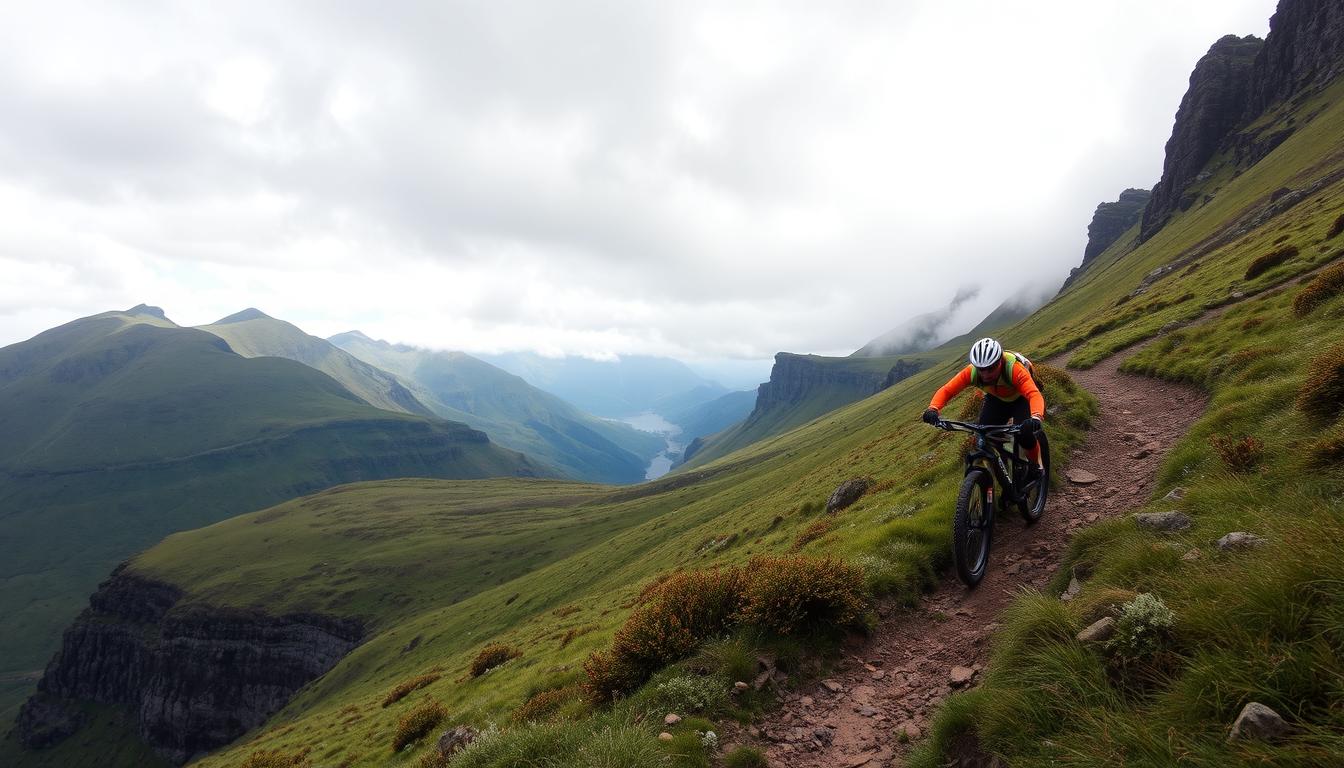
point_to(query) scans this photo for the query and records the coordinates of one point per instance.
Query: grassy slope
(253, 334)
(121, 429)
(514, 413)
(757, 501)
(819, 402)
(1260, 625)
(903, 525)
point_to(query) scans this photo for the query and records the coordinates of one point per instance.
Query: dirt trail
(896, 681)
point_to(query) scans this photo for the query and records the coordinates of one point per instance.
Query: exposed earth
(883, 693)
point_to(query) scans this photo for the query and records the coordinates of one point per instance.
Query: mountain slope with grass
(1240, 293)
(123, 427)
(252, 333)
(514, 413)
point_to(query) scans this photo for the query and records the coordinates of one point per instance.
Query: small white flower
(709, 740)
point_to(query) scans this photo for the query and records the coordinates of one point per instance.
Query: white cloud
(705, 180)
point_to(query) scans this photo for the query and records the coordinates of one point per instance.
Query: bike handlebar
(983, 429)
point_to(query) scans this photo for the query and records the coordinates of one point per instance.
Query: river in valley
(651, 422)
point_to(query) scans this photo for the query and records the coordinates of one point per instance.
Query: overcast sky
(701, 180)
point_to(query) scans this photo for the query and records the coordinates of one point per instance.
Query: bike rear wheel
(1033, 503)
(972, 528)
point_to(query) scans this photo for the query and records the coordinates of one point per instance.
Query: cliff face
(1217, 99)
(196, 677)
(1304, 48)
(795, 378)
(1237, 82)
(1109, 222)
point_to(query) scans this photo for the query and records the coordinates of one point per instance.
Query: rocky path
(883, 694)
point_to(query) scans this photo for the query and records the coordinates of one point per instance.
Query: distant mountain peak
(251, 313)
(145, 309)
(358, 335)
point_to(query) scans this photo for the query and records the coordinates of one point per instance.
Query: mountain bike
(996, 456)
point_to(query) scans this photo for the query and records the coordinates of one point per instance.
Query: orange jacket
(1022, 385)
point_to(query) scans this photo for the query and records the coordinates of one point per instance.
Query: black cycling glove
(930, 415)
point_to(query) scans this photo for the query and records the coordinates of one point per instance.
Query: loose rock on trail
(884, 693)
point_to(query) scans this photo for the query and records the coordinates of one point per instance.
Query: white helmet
(985, 353)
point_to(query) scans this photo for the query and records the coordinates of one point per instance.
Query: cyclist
(1008, 381)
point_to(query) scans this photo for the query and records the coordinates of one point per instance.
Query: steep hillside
(515, 414)
(251, 333)
(713, 416)
(802, 388)
(122, 427)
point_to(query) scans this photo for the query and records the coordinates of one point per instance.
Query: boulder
(456, 740)
(847, 493)
(960, 676)
(1099, 631)
(1240, 540)
(1162, 521)
(671, 719)
(1258, 721)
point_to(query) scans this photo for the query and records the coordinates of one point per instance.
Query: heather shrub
(546, 706)
(492, 656)
(745, 757)
(1325, 286)
(406, 686)
(1142, 629)
(1327, 452)
(433, 758)
(415, 724)
(1336, 227)
(789, 595)
(812, 532)
(1322, 393)
(1270, 260)
(274, 758)
(970, 408)
(608, 675)
(1242, 455)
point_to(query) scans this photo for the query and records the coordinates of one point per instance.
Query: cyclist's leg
(1021, 411)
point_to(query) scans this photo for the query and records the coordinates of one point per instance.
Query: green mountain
(1241, 290)
(251, 333)
(515, 414)
(121, 428)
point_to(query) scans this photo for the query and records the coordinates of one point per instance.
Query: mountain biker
(1008, 381)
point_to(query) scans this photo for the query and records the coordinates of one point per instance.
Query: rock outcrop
(1239, 80)
(795, 378)
(1215, 103)
(1109, 222)
(196, 677)
(1304, 50)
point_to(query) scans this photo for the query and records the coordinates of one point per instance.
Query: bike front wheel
(1033, 502)
(972, 528)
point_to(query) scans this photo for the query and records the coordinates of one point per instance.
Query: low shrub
(415, 724)
(545, 706)
(691, 693)
(433, 759)
(1326, 452)
(1270, 260)
(1325, 286)
(970, 409)
(492, 656)
(275, 758)
(1336, 227)
(811, 507)
(777, 595)
(1322, 392)
(812, 532)
(1142, 629)
(405, 687)
(1242, 455)
(568, 635)
(745, 757)
(789, 595)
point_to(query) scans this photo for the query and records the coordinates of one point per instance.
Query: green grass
(120, 429)
(1251, 625)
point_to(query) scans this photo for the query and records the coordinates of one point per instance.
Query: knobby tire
(973, 516)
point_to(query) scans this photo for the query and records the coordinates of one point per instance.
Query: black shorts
(996, 411)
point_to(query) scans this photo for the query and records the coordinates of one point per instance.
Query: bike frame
(993, 444)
